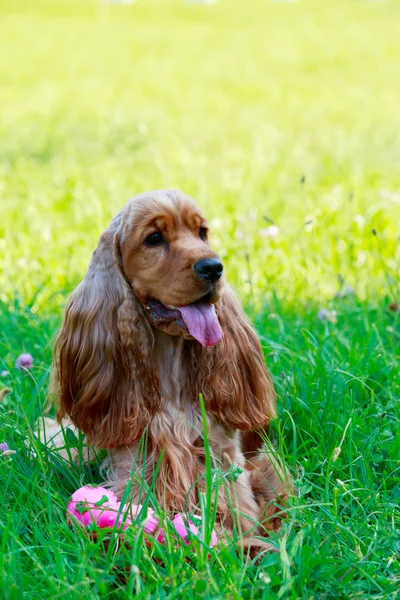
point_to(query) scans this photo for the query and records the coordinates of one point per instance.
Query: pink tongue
(202, 323)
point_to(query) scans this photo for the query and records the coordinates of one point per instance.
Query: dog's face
(171, 267)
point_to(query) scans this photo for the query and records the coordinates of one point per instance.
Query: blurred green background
(269, 113)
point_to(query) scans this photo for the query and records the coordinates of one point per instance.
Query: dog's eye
(203, 233)
(154, 239)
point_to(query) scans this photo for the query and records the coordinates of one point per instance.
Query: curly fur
(118, 377)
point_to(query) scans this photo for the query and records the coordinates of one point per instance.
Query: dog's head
(163, 250)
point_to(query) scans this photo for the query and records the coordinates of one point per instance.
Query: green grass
(266, 111)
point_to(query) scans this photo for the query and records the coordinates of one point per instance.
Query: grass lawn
(271, 114)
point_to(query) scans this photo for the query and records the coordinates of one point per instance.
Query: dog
(153, 326)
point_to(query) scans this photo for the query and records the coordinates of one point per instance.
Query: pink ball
(93, 505)
(96, 504)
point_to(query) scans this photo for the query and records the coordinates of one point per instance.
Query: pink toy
(151, 527)
(181, 528)
(179, 523)
(99, 505)
(96, 504)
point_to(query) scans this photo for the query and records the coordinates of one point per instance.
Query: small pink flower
(24, 361)
(5, 450)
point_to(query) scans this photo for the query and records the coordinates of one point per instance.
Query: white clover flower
(272, 231)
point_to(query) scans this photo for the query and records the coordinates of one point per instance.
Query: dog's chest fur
(179, 416)
(176, 430)
(179, 419)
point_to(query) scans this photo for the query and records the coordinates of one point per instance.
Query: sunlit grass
(270, 114)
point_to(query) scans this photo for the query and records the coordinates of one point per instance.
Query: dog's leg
(238, 511)
(55, 436)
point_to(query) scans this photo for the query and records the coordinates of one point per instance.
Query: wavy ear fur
(232, 375)
(104, 376)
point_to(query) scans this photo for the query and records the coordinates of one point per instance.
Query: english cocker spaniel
(153, 326)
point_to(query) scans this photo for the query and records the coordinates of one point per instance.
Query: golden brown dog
(151, 327)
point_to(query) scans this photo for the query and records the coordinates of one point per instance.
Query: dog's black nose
(209, 268)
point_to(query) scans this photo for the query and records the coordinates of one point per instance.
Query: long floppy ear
(104, 376)
(232, 375)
